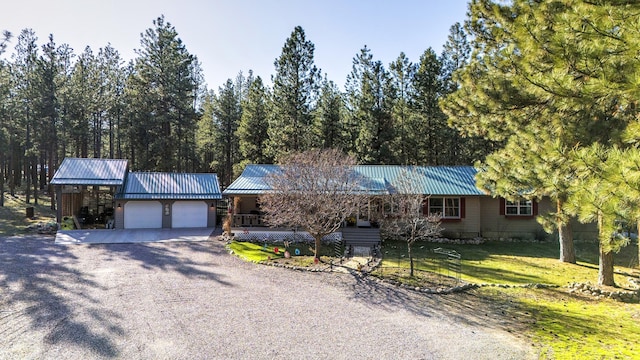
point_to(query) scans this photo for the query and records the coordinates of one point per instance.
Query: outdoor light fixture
(212, 205)
(119, 205)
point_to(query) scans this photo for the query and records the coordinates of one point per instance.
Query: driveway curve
(184, 300)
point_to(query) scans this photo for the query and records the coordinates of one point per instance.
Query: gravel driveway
(194, 301)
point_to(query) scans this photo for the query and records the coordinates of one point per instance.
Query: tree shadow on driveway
(190, 259)
(38, 289)
(465, 307)
(73, 300)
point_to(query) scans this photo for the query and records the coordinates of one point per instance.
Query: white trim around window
(518, 208)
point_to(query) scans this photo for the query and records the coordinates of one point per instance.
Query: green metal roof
(377, 179)
(179, 186)
(85, 171)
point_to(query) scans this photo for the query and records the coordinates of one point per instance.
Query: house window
(448, 208)
(520, 207)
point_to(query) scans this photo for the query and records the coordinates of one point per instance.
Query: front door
(364, 216)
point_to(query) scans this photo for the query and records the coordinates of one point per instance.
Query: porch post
(58, 204)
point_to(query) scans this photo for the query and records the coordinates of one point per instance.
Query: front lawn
(564, 325)
(300, 254)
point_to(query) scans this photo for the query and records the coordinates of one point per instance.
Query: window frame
(519, 206)
(444, 208)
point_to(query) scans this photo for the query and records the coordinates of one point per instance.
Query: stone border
(627, 296)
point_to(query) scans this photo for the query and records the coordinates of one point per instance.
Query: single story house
(103, 193)
(466, 211)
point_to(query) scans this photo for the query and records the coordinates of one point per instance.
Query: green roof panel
(85, 171)
(378, 179)
(179, 186)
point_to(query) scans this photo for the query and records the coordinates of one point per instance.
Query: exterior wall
(482, 219)
(467, 227)
(118, 214)
(166, 213)
(211, 213)
(496, 226)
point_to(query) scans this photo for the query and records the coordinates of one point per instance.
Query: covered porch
(85, 190)
(245, 212)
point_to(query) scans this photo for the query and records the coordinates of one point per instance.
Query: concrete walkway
(120, 236)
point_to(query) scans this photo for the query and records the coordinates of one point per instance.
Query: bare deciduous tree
(315, 191)
(407, 220)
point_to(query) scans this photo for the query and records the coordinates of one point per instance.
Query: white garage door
(189, 214)
(142, 215)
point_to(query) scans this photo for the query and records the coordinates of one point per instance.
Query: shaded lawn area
(511, 262)
(570, 326)
(13, 219)
(563, 325)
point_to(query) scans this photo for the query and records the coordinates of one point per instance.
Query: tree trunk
(638, 240)
(410, 260)
(605, 269)
(565, 235)
(316, 251)
(2, 172)
(605, 266)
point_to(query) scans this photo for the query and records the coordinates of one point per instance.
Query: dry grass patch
(13, 219)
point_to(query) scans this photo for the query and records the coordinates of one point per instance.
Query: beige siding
(468, 227)
(496, 226)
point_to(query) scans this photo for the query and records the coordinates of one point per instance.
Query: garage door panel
(142, 215)
(189, 214)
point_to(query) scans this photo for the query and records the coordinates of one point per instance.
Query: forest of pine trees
(156, 111)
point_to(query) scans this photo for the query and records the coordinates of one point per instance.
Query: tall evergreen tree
(207, 135)
(550, 72)
(162, 92)
(227, 113)
(402, 76)
(295, 92)
(329, 123)
(252, 130)
(370, 101)
(25, 77)
(429, 125)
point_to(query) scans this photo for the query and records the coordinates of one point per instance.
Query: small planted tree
(315, 191)
(407, 219)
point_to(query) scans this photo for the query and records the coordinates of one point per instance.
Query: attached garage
(189, 214)
(168, 200)
(142, 215)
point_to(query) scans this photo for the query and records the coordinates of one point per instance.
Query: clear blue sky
(238, 35)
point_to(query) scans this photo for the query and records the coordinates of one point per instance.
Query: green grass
(512, 263)
(259, 252)
(13, 219)
(562, 324)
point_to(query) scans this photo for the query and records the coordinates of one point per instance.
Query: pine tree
(429, 125)
(295, 92)
(369, 103)
(548, 72)
(402, 73)
(253, 127)
(25, 78)
(227, 113)
(329, 123)
(162, 91)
